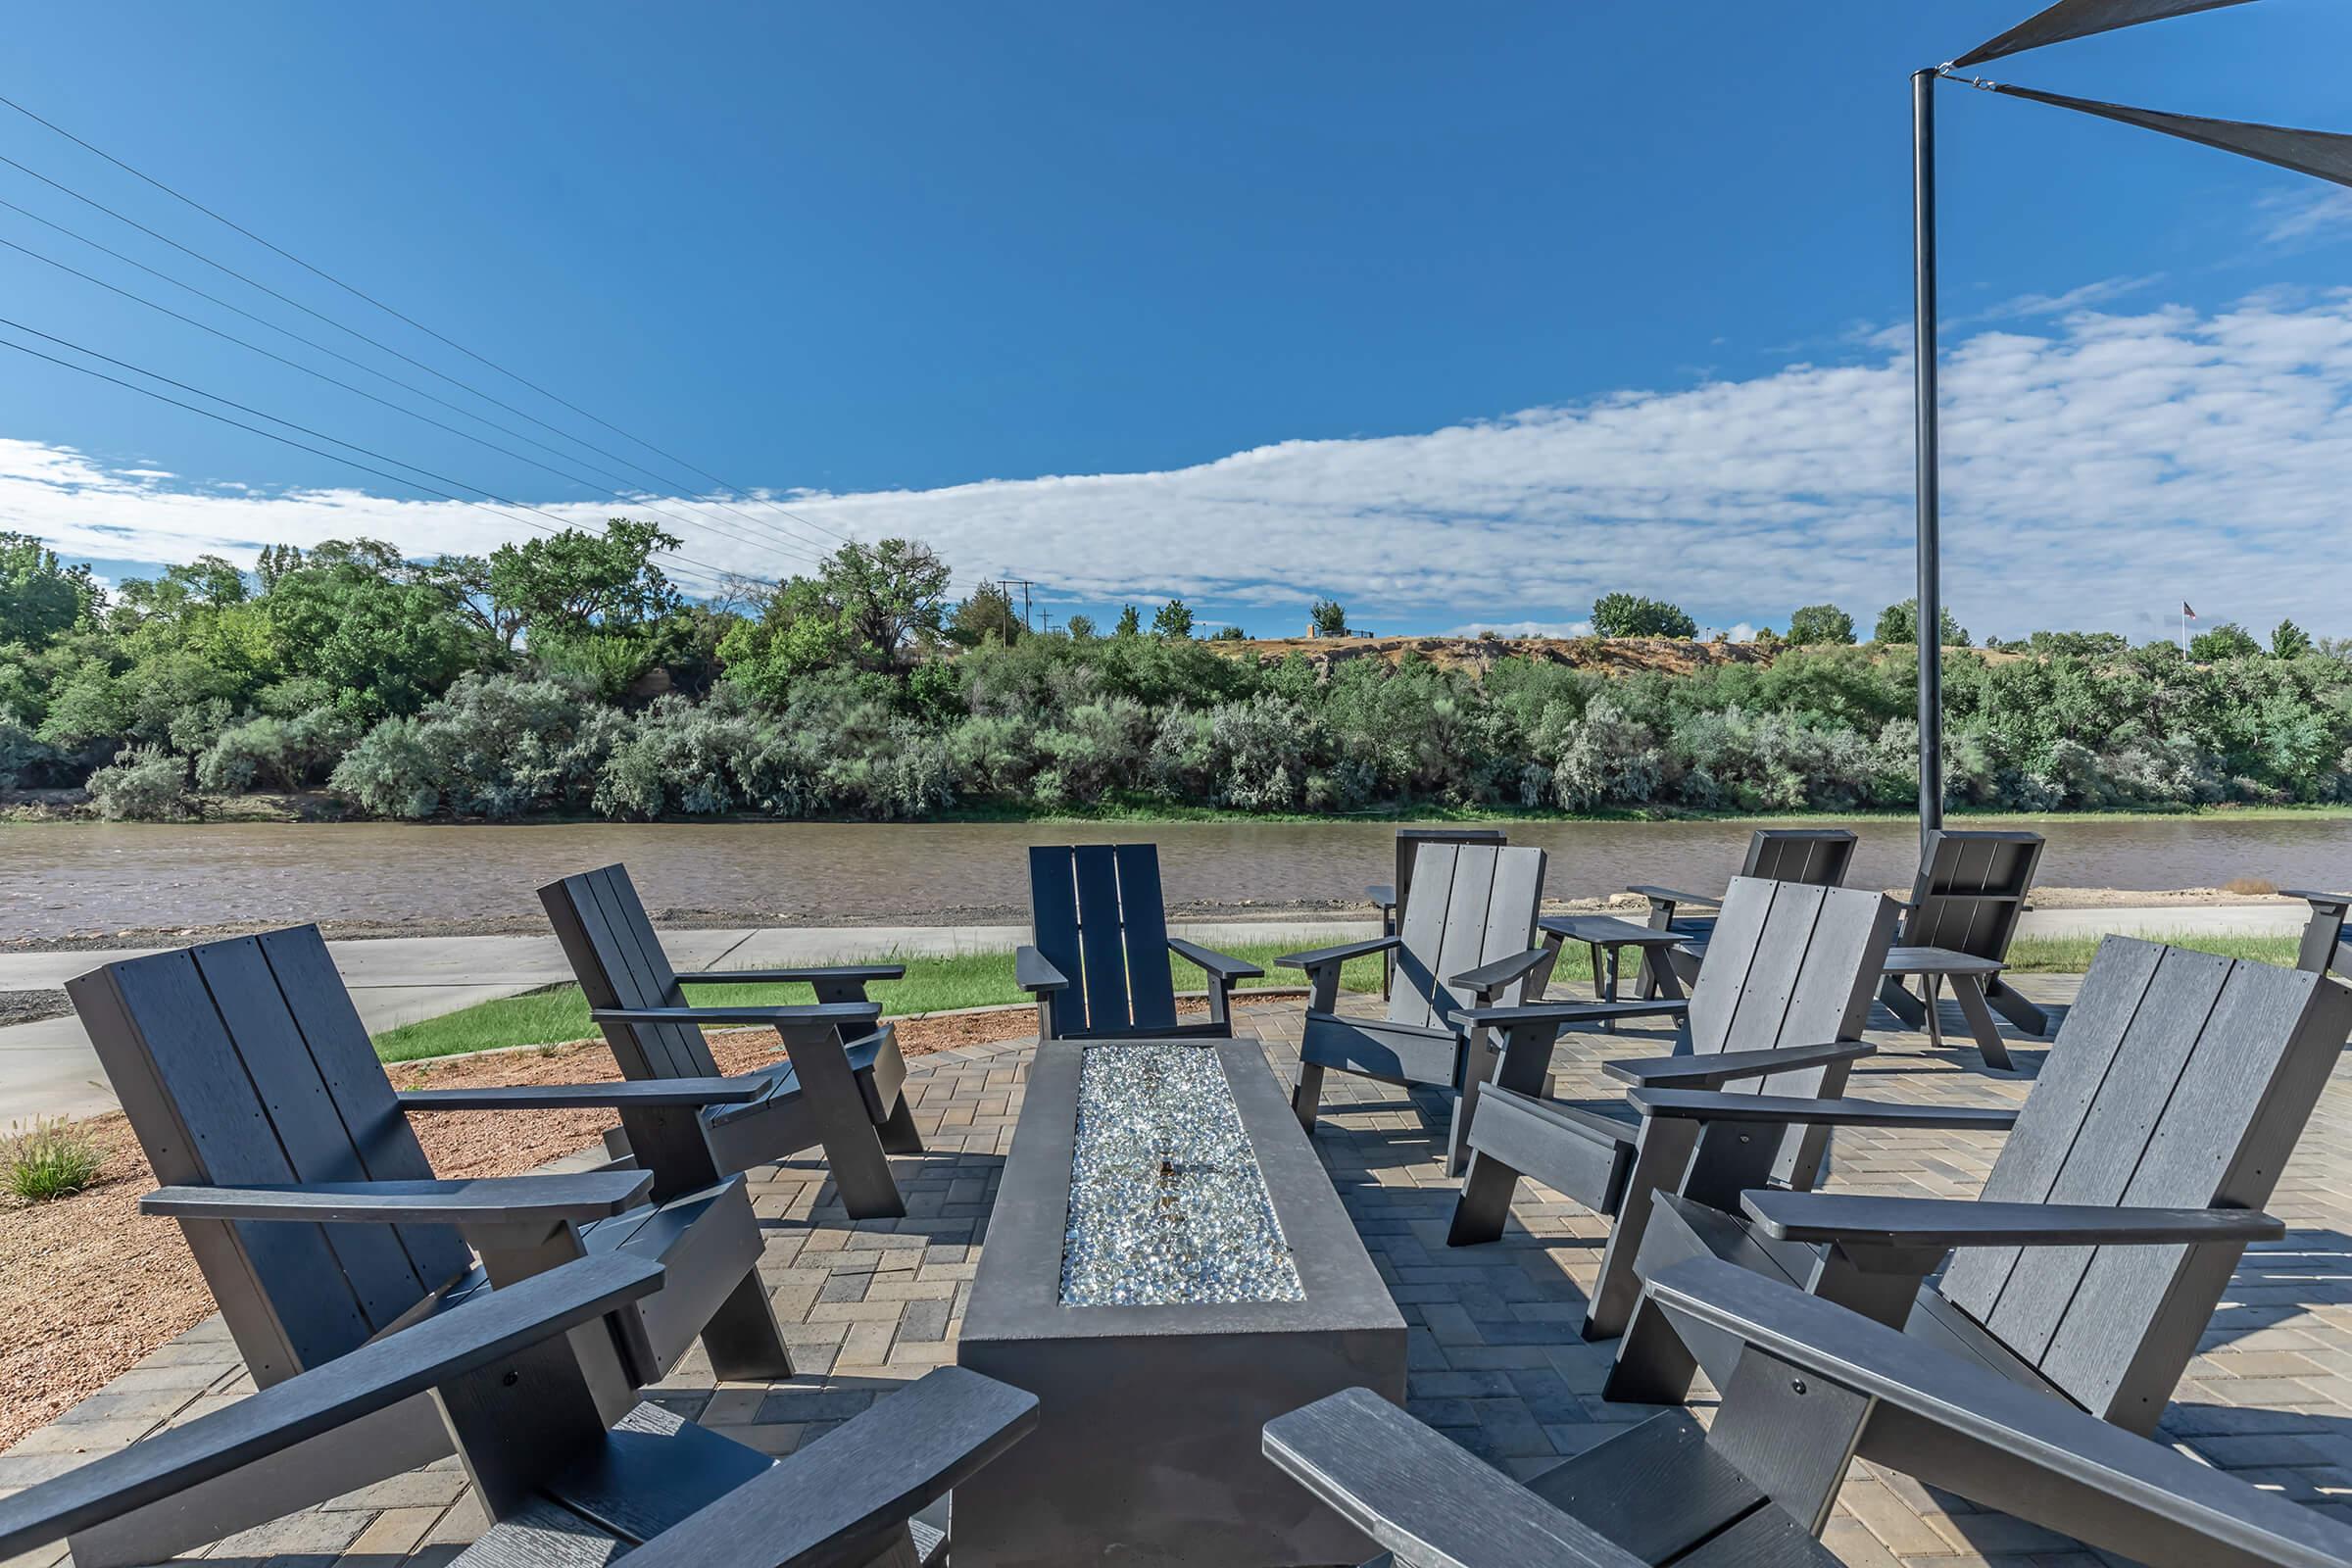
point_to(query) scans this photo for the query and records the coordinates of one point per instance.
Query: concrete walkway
(48, 1069)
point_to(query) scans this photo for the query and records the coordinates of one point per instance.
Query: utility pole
(1008, 584)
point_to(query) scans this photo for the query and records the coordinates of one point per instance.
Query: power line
(758, 544)
(353, 331)
(334, 457)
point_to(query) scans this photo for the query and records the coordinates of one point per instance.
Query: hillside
(1615, 656)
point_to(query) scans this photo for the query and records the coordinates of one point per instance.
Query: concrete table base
(1147, 1449)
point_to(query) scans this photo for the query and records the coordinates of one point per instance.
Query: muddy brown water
(61, 878)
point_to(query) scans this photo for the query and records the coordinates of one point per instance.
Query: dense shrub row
(576, 681)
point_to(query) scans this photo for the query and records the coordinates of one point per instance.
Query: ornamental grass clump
(52, 1159)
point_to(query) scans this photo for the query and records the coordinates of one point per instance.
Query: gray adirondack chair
(1816, 856)
(839, 1091)
(2324, 947)
(1967, 896)
(1468, 935)
(1812, 1387)
(2108, 1228)
(1389, 896)
(289, 1162)
(565, 1485)
(1778, 1007)
(1098, 966)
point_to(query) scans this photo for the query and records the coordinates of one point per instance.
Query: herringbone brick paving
(1495, 1361)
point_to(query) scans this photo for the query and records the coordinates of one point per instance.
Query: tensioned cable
(363, 337)
(517, 506)
(635, 503)
(789, 544)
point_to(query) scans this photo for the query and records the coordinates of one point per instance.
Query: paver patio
(1496, 1362)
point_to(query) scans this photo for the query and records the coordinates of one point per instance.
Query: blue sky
(1465, 315)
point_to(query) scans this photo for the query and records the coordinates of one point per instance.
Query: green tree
(890, 595)
(1820, 624)
(1623, 614)
(564, 583)
(350, 616)
(2228, 640)
(1329, 618)
(1173, 621)
(2289, 641)
(987, 613)
(1129, 625)
(1899, 623)
(1081, 628)
(1229, 633)
(41, 598)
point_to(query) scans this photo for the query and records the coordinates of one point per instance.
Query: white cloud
(1521, 628)
(2305, 215)
(2098, 468)
(2082, 297)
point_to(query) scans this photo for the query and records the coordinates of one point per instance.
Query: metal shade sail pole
(1931, 594)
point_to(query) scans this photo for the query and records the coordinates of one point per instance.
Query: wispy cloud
(2025, 307)
(2302, 215)
(2099, 467)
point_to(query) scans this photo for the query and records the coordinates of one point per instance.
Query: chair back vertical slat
(1410, 841)
(1421, 935)
(641, 948)
(1151, 989)
(1731, 955)
(155, 1023)
(2178, 1080)
(1831, 997)
(1971, 891)
(1054, 926)
(1102, 942)
(1815, 857)
(1461, 945)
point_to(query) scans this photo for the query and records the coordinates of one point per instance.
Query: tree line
(568, 674)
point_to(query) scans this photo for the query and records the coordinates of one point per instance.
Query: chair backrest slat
(1474, 903)
(618, 959)
(1817, 856)
(1151, 989)
(1096, 914)
(1791, 964)
(2178, 1080)
(239, 1063)
(1971, 888)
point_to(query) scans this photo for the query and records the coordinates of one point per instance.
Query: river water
(61, 878)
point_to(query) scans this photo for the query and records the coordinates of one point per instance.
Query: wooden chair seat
(1406, 1054)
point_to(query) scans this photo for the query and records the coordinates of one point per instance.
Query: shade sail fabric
(2079, 18)
(2325, 154)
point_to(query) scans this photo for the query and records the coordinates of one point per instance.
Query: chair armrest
(2318, 901)
(1854, 1219)
(856, 1481)
(1729, 1066)
(1656, 895)
(1033, 973)
(466, 1338)
(2004, 1446)
(844, 1014)
(1502, 972)
(766, 977)
(1223, 965)
(1703, 1104)
(1341, 953)
(1560, 1014)
(1382, 894)
(645, 1092)
(477, 1200)
(1421, 1495)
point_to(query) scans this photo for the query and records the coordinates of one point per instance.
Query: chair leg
(1307, 1098)
(745, 1344)
(1485, 1202)
(1901, 1003)
(897, 1131)
(2013, 1004)
(861, 1170)
(1989, 1043)
(1654, 1366)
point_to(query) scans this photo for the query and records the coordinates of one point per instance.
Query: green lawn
(935, 985)
(932, 985)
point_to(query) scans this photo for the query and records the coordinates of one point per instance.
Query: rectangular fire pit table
(1166, 1268)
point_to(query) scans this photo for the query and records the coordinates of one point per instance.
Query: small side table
(1608, 936)
(1968, 974)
